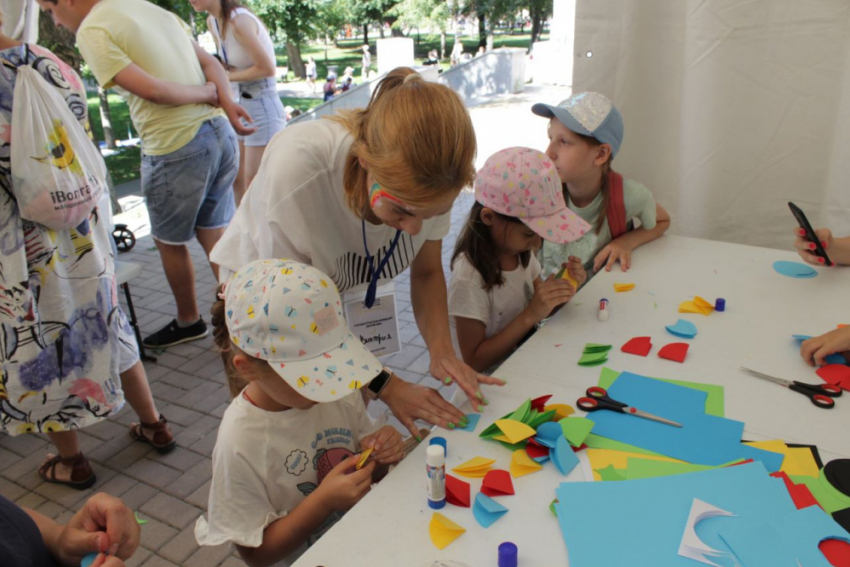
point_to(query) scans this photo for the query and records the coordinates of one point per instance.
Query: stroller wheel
(124, 238)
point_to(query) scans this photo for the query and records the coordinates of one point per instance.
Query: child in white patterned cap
(585, 133)
(496, 295)
(284, 463)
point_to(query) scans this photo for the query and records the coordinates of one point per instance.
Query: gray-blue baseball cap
(589, 114)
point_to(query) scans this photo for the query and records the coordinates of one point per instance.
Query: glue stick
(435, 465)
(603, 313)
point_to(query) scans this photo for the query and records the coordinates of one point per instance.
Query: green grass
(124, 166)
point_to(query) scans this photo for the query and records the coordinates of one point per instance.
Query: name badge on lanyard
(372, 315)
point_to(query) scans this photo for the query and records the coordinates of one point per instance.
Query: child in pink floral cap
(287, 460)
(496, 295)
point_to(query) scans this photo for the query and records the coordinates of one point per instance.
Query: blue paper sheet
(794, 269)
(683, 328)
(789, 540)
(473, 422)
(563, 456)
(486, 510)
(640, 522)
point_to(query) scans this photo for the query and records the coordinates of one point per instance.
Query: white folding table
(389, 527)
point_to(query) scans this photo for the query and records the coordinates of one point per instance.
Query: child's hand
(344, 486)
(386, 444)
(816, 349)
(615, 250)
(548, 295)
(576, 270)
(806, 249)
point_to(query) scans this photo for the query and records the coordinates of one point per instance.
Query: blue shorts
(192, 187)
(262, 102)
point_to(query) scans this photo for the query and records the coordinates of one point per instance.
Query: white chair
(124, 272)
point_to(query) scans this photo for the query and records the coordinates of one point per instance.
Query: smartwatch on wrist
(378, 383)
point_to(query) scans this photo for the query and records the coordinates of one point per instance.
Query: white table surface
(389, 527)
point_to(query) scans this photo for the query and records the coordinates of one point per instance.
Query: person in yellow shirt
(180, 103)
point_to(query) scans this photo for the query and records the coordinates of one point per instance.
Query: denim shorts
(192, 187)
(261, 101)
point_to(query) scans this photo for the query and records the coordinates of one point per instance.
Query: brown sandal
(162, 439)
(82, 475)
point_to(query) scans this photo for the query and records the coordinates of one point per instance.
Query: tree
(298, 20)
(424, 13)
(540, 11)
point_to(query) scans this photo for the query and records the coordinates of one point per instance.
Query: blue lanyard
(373, 281)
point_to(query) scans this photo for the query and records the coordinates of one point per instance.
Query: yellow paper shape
(522, 464)
(444, 531)
(474, 474)
(561, 411)
(502, 438)
(363, 458)
(698, 305)
(515, 431)
(566, 276)
(618, 287)
(798, 460)
(476, 464)
(602, 458)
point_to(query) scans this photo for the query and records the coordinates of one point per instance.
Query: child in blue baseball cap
(585, 133)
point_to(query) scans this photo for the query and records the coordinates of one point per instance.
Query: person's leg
(180, 273)
(243, 180)
(153, 428)
(68, 446)
(207, 238)
(252, 156)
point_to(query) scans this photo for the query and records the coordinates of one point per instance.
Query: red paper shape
(838, 374)
(497, 483)
(535, 451)
(638, 345)
(800, 493)
(457, 491)
(674, 351)
(539, 403)
(836, 551)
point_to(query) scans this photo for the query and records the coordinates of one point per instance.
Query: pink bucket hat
(523, 183)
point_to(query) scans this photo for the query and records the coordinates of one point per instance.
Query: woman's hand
(448, 368)
(806, 249)
(410, 402)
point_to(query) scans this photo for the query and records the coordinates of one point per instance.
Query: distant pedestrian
(366, 62)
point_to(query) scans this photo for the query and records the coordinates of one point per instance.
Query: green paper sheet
(610, 473)
(594, 441)
(648, 468)
(576, 429)
(593, 358)
(827, 496)
(714, 403)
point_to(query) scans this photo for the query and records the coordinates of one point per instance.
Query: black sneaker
(172, 334)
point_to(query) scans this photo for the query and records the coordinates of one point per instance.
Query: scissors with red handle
(820, 394)
(597, 399)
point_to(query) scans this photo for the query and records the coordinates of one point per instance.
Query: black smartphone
(810, 233)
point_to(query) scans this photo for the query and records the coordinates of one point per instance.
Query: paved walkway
(189, 385)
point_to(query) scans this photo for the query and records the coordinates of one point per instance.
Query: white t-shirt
(639, 203)
(296, 209)
(232, 51)
(265, 463)
(495, 308)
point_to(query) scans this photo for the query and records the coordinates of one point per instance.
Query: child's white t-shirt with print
(265, 463)
(639, 204)
(495, 308)
(296, 209)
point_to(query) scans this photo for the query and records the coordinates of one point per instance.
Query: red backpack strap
(616, 212)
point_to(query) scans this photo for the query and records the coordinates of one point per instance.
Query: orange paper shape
(515, 431)
(457, 492)
(497, 483)
(522, 464)
(674, 351)
(444, 531)
(639, 346)
(620, 287)
(474, 468)
(561, 411)
(837, 374)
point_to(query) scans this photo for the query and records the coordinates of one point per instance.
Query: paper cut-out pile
(444, 531)
(594, 354)
(674, 351)
(639, 346)
(477, 467)
(497, 483)
(697, 305)
(620, 287)
(457, 492)
(794, 269)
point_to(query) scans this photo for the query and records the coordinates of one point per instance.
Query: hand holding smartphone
(810, 233)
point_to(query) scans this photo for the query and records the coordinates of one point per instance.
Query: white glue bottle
(435, 465)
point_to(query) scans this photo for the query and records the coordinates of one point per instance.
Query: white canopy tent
(731, 108)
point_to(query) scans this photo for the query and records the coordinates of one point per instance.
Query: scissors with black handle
(597, 399)
(820, 394)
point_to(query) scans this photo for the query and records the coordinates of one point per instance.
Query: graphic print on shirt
(324, 461)
(352, 268)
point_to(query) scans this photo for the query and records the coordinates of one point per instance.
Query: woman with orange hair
(362, 196)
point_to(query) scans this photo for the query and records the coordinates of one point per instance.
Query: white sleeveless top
(231, 51)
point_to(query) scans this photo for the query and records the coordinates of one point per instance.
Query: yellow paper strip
(619, 287)
(363, 458)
